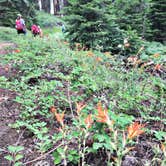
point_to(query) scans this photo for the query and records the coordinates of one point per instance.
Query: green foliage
(133, 15)
(10, 9)
(15, 155)
(92, 23)
(157, 16)
(51, 74)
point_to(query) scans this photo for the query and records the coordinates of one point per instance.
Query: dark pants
(21, 31)
(35, 33)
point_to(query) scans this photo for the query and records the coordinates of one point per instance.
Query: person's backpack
(35, 29)
(19, 25)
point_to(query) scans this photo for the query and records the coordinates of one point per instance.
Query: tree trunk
(56, 6)
(46, 5)
(40, 5)
(51, 6)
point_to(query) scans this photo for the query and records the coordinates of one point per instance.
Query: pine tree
(92, 23)
(158, 19)
(10, 9)
(133, 14)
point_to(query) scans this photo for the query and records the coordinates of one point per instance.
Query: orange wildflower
(78, 44)
(156, 55)
(65, 42)
(52, 109)
(127, 45)
(88, 121)
(17, 51)
(157, 67)
(60, 117)
(79, 107)
(107, 53)
(102, 115)
(163, 148)
(135, 130)
(98, 59)
(90, 53)
(132, 59)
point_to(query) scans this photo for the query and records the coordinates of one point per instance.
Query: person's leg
(24, 31)
(18, 31)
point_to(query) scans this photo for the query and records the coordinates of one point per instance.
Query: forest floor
(9, 114)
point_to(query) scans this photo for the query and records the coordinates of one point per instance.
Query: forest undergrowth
(66, 106)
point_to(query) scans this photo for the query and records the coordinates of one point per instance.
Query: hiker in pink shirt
(20, 25)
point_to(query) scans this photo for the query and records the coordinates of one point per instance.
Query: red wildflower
(107, 53)
(102, 115)
(127, 45)
(52, 109)
(90, 53)
(157, 67)
(135, 130)
(79, 107)
(17, 51)
(98, 59)
(60, 117)
(89, 121)
(156, 55)
(66, 43)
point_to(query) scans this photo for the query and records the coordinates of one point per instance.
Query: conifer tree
(133, 14)
(158, 19)
(92, 23)
(10, 9)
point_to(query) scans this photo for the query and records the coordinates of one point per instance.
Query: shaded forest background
(146, 17)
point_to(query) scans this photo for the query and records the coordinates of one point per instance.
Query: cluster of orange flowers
(79, 107)
(90, 53)
(107, 53)
(102, 116)
(156, 55)
(157, 67)
(98, 59)
(59, 116)
(135, 130)
(17, 51)
(65, 42)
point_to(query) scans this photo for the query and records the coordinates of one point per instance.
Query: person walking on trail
(63, 28)
(36, 30)
(20, 25)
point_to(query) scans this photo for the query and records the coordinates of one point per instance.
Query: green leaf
(57, 157)
(9, 157)
(15, 149)
(160, 135)
(96, 146)
(18, 157)
(18, 164)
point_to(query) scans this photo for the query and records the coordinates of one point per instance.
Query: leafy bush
(89, 23)
(90, 86)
